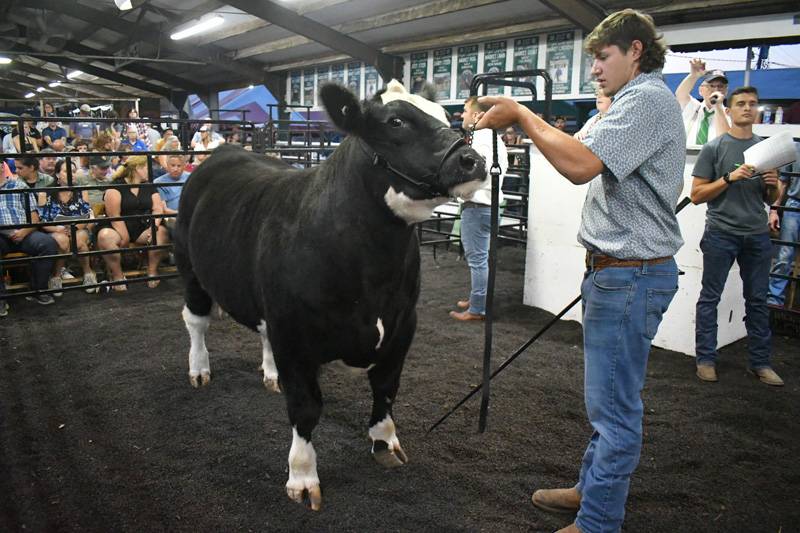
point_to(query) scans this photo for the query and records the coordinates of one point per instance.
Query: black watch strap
(727, 178)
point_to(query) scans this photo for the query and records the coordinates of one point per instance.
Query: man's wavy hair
(624, 27)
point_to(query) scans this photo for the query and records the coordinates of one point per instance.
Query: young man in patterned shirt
(633, 160)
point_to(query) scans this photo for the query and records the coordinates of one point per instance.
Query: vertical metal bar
(747, 66)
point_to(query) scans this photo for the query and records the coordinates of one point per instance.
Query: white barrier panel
(555, 261)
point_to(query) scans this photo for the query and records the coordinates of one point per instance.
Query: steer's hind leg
(385, 380)
(268, 360)
(197, 315)
(304, 404)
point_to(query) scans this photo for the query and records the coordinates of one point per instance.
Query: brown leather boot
(557, 500)
(463, 304)
(572, 528)
(466, 316)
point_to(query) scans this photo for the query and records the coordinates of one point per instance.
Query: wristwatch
(727, 178)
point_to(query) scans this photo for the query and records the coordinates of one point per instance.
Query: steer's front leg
(199, 366)
(385, 380)
(304, 403)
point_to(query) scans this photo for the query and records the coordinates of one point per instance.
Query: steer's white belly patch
(409, 209)
(379, 325)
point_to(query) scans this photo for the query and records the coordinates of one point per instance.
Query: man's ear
(343, 107)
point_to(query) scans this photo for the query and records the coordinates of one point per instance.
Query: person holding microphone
(703, 120)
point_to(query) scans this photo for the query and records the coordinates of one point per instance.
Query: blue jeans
(754, 255)
(35, 244)
(622, 309)
(476, 225)
(790, 231)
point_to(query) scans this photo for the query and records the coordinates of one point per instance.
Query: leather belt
(595, 261)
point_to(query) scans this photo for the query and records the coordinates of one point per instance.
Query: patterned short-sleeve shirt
(629, 211)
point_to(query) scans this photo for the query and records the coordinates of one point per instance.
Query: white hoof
(297, 494)
(272, 385)
(200, 380)
(388, 457)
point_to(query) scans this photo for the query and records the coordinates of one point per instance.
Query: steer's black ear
(342, 106)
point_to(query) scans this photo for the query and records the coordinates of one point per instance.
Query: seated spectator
(84, 130)
(99, 174)
(175, 174)
(26, 240)
(114, 130)
(68, 204)
(198, 135)
(8, 144)
(52, 133)
(28, 171)
(33, 138)
(152, 136)
(141, 129)
(123, 201)
(168, 144)
(82, 146)
(560, 122)
(206, 142)
(132, 139)
(47, 164)
(510, 137)
(168, 132)
(104, 142)
(61, 176)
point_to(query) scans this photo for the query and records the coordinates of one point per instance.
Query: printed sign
(419, 71)
(337, 74)
(494, 60)
(323, 74)
(559, 60)
(442, 70)
(467, 68)
(587, 80)
(526, 57)
(354, 78)
(308, 87)
(371, 82)
(296, 88)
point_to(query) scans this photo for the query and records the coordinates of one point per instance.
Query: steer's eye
(395, 122)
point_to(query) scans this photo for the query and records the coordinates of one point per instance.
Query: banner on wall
(467, 68)
(419, 71)
(526, 57)
(494, 60)
(370, 82)
(354, 78)
(442, 70)
(323, 74)
(296, 88)
(587, 80)
(308, 87)
(337, 74)
(559, 60)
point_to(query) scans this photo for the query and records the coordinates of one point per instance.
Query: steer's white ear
(342, 106)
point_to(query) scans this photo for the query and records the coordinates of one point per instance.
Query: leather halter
(430, 191)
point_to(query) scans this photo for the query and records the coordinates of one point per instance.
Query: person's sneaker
(707, 373)
(55, 283)
(66, 274)
(767, 375)
(42, 299)
(91, 279)
(3, 308)
(557, 500)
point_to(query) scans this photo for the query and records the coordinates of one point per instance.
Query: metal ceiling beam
(389, 66)
(31, 83)
(210, 54)
(41, 71)
(431, 9)
(100, 72)
(583, 13)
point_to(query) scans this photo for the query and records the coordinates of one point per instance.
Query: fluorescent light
(200, 27)
(39, 89)
(124, 5)
(30, 95)
(250, 86)
(5, 60)
(54, 84)
(74, 74)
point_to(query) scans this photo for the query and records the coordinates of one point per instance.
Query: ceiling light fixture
(200, 27)
(30, 95)
(54, 84)
(39, 89)
(74, 74)
(5, 60)
(124, 5)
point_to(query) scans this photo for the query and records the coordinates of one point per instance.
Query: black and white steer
(324, 262)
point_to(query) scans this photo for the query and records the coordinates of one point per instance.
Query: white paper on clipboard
(774, 152)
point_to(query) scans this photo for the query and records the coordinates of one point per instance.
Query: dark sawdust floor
(100, 430)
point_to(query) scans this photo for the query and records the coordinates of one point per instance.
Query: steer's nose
(467, 162)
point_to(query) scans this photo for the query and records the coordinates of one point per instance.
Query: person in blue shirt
(133, 140)
(175, 174)
(52, 133)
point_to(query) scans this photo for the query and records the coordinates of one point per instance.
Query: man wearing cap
(84, 130)
(99, 174)
(704, 120)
